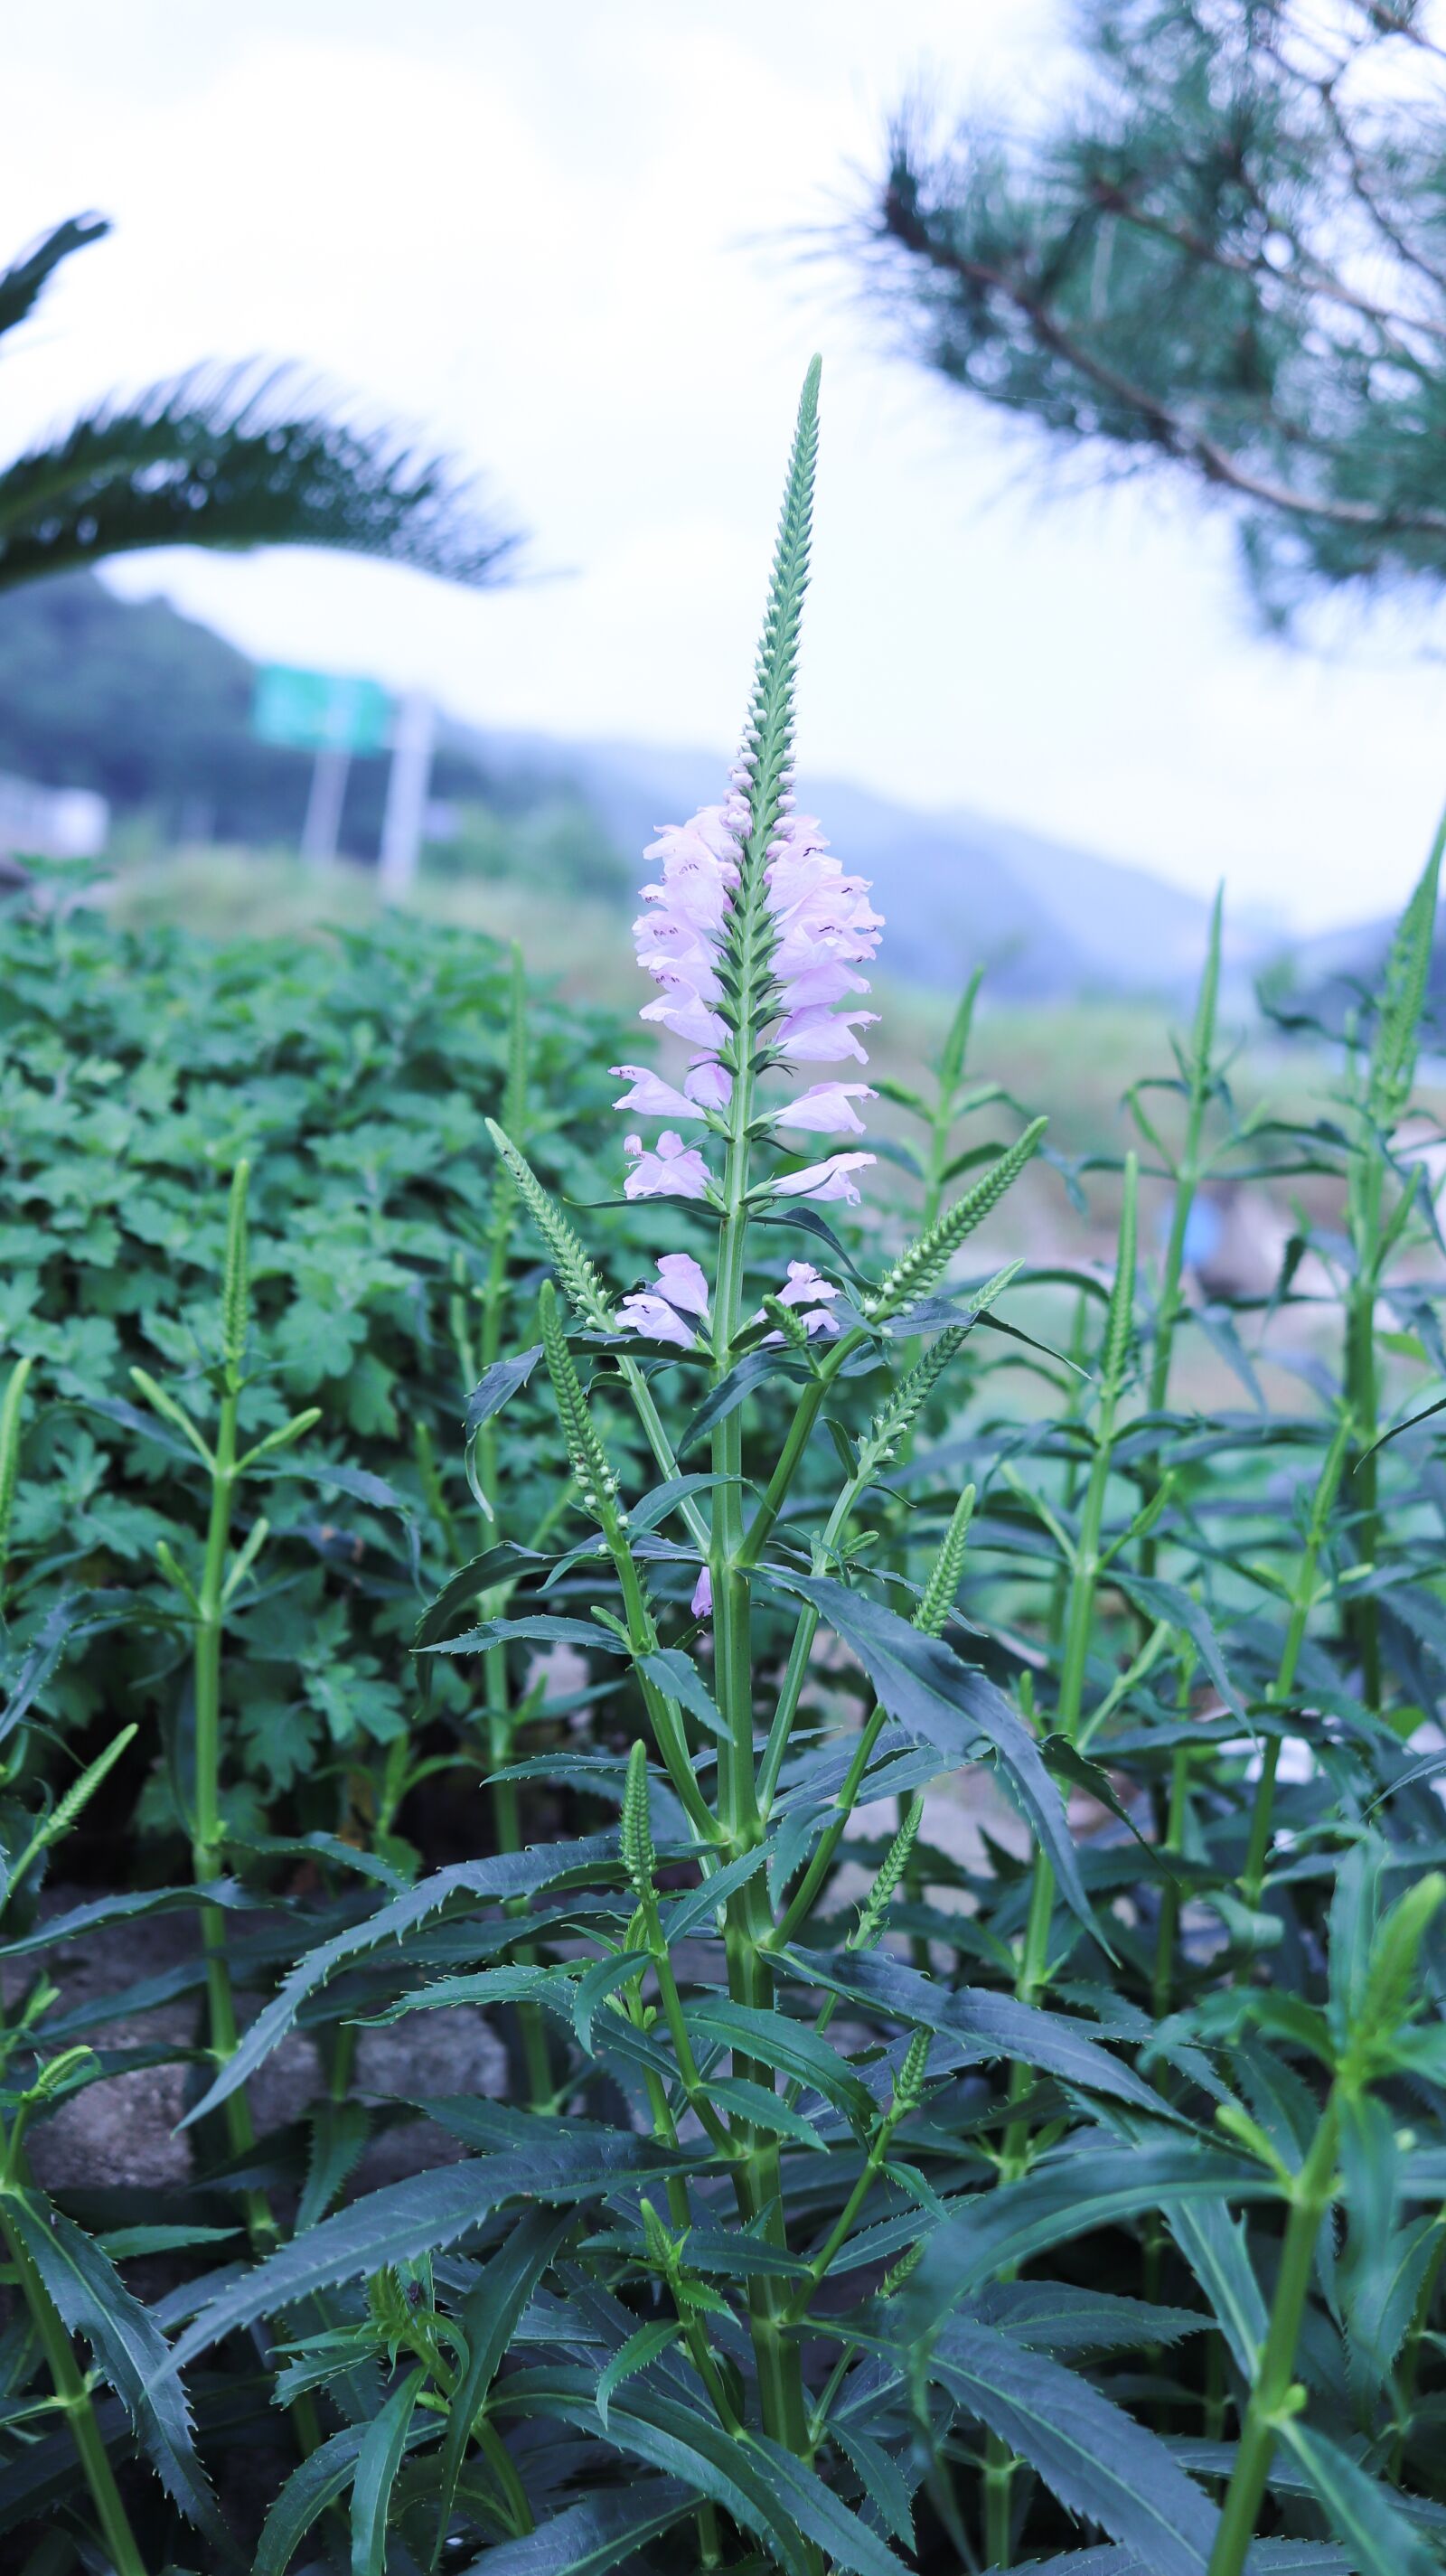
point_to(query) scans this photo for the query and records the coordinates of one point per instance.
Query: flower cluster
(823, 929)
(672, 1309)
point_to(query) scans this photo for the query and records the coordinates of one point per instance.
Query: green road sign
(320, 710)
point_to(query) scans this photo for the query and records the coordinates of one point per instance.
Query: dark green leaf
(1101, 2464)
(596, 2533)
(377, 2464)
(940, 1701)
(129, 2348)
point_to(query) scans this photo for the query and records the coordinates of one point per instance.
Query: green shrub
(965, 1914)
(355, 1074)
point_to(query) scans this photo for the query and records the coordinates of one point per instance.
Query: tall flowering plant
(744, 2281)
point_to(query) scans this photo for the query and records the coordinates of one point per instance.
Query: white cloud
(542, 234)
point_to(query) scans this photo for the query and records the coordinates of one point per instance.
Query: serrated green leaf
(377, 2464)
(129, 2348)
(1101, 2464)
(1381, 2540)
(406, 2220)
(596, 2533)
(940, 1701)
(488, 2320)
(633, 2356)
(507, 1874)
(1024, 2033)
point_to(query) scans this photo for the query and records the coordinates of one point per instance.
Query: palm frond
(22, 282)
(236, 458)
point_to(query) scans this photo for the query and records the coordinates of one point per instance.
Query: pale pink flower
(803, 1282)
(830, 981)
(669, 949)
(674, 1171)
(658, 1312)
(827, 1109)
(701, 1604)
(708, 1084)
(683, 1282)
(681, 1011)
(651, 1096)
(655, 1319)
(709, 825)
(818, 1036)
(828, 1180)
(824, 927)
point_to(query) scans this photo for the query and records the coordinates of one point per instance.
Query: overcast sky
(550, 234)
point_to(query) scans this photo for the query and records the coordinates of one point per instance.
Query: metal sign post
(320, 831)
(332, 714)
(404, 822)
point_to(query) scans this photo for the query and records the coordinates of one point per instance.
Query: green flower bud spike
(933, 1613)
(597, 1485)
(236, 1284)
(874, 1910)
(581, 1285)
(635, 1840)
(10, 1405)
(924, 1264)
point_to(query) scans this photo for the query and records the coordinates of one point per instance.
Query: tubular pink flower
(681, 1011)
(671, 950)
(701, 1604)
(803, 1282)
(650, 1096)
(828, 1180)
(674, 1171)
(659, 1312)
(819, 1036)
(830, 981)
(827, 1109)
(708, 1084)
(655, 1319)
(683, 1282)
(824, 927)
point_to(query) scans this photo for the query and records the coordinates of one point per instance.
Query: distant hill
(151, 708)
(958, 889)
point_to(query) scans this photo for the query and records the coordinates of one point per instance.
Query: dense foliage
(1225, 251)
(223, 456)
(355, 1075)
(966, 1919)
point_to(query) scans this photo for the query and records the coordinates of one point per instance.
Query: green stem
(1274, 2395)
(1363, 1620)
(207, 1838)
(804, 2296)
(73, 2398)
(1252, 1880)
(1168, 1925)
(1189, 1171)
(998, 2473)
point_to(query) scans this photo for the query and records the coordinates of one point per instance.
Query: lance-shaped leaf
(310, 2490)
(378, 2461)
(129, 2348)
(1093, 2182)
(506, 1874)
(488, 2319)
(1382, 2542)
(406, 2220)
(996, 2024)
(940, 1701)
(1100, 2463)
(598, 2532)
